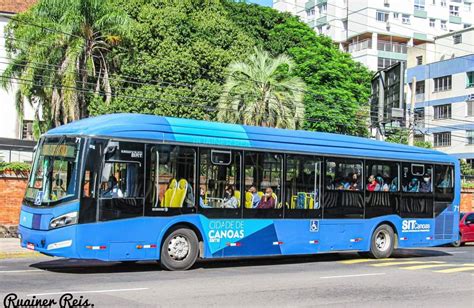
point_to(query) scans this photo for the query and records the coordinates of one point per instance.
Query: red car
(466, 229)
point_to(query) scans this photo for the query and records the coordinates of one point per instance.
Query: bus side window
(122, 181)
(417, 178)
(170, 177)
(263, 180)
(219, 179)
(302, 184)
(443, 183)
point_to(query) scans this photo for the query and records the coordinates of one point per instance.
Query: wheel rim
(178, 247)
(383, 240)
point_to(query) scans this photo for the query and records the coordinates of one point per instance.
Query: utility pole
(411, 115)
(380, 109)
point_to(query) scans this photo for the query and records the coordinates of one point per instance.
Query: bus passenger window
(121, 184)
(219, 179)
(302, 183)
(263, 181)
(417, 178)
(121, 180)
(344, 191)
(382, 176)
(443, 183)
(171, 177)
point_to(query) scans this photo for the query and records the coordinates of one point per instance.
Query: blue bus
(130, 187)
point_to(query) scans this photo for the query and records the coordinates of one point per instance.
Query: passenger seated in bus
(372, 184)
(394, 185)
(354, 182)
(230, 201)
(382, 185)
(202, 198)
(425, 186)
(413, 185)
(346, 182)
(267, 201)
(255, 197)
(112, 190)
(189, 199)
(339, 184)
(329, 183)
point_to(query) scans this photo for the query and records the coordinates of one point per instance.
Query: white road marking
(456, 251)
(21, 271)
(84, 292)
(347, 276)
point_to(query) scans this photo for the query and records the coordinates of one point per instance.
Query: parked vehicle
(466, 229)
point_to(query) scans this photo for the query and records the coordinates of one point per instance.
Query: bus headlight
(64, 220)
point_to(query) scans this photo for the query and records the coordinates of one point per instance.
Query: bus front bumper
(57, 242)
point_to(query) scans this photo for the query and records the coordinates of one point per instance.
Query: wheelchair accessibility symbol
(313, 225)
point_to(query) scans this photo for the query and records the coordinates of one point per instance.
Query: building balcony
(309, 4)
(391, 47)
(455, 19)
(321, 21)
(358, 46)
(321, 1)
(420, 13)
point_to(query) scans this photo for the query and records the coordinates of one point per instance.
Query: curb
(18, 255)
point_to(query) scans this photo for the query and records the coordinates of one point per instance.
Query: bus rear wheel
(382, 242)
(179, 250)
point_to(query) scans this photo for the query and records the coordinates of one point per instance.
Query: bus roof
(167, 129)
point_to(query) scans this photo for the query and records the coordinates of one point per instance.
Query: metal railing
(357, 46)
(392, 47)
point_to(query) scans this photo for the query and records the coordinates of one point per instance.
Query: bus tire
(179, 250)
(457, 243)
(382, 242)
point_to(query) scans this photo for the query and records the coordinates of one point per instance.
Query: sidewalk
(10, 248)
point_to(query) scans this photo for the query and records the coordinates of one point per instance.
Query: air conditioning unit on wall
(470, 97)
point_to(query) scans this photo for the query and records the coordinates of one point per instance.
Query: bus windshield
(54, 174)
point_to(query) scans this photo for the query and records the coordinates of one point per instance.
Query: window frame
(440, 143)
(442, 112)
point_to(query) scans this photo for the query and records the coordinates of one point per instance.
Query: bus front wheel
(179, 250)
(382, 242)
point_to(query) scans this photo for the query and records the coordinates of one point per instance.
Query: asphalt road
(431, 277)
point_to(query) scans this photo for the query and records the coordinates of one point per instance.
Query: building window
(443, 24)
(467, 26)
(442, 112)
(385, 62)
(454, 10)
(442, 139)
(381, 16)
(442, 2)
(420, 5)
(323, 8)
(419, 60)
(432, 22)
(442, 83)
(396, 15)
(420, 114)
(470, 79)
(406, 19)
(467, 7)
(470, 136)
(27, 130)
(470, 108)
(310, 12)
(457, 39)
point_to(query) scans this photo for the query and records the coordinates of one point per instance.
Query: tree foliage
(177, 57)
(261, 91)
(58, 53)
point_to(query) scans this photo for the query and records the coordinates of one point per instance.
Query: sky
(262, 2)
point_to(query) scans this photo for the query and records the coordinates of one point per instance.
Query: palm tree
(58, 55)
(262, 91)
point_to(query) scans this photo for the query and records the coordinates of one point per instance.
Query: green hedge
(15, 167)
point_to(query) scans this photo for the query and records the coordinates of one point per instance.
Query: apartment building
(444, 104)
(378, 32)
(16, 133)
